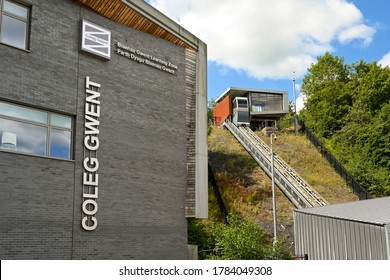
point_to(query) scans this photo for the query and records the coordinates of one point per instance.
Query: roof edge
(382, 224)
(162, 20)
(226, 92)
(370, 211)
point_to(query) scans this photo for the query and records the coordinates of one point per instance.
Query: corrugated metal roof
(373, 211)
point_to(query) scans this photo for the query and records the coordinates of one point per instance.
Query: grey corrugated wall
(327, 238)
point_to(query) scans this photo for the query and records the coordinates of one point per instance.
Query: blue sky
(259, 43)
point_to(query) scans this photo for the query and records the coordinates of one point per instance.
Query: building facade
(255, 107)
(103, 131)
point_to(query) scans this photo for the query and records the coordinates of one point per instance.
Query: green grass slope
(246, 189)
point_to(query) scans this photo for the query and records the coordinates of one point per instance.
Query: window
(14, 24)
(266, 102)
(33, 131)
(242, 103)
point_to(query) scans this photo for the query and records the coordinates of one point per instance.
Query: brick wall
(142, 153)
(36, 207)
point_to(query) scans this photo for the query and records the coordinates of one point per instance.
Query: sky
(260, 43)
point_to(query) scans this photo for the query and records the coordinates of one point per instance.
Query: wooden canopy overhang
(141, 16)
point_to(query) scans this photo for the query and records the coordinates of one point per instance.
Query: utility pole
(273, 137)
(295, 106)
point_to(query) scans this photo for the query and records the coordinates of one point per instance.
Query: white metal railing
(298, 191)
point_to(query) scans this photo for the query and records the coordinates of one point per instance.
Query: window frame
(271, 102)
(27, 21)
(46, 125)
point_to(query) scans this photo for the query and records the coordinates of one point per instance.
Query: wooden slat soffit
(120, 12)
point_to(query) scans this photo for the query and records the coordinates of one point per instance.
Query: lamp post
(295, 106)
(273, 137)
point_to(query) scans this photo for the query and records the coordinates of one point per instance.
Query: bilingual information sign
(95, 39)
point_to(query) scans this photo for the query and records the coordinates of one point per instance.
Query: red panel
(222, 110)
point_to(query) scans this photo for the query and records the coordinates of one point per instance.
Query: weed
(246, 189)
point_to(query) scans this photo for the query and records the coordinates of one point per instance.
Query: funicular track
(299, 192)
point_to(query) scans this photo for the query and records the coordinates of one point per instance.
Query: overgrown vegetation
(210, 115)
(246, 191)
(348, 108)
(304, 158)
(237, 240)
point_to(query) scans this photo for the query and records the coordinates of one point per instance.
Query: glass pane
(258, 107)
(13, 32)
(60, 143)
(22, 113)
(242, 103)
(279, 102)
(23, 137)
(257, 103)
(271, 102)
(62, 121)
(15, 9)
(263, 97)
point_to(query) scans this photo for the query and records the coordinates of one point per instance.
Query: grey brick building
(103, 131)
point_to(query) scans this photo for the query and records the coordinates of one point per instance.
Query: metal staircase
(299, 192)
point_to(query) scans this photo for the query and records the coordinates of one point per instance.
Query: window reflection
(14, 24)
(60, 141)
(61, 121)
(13, 32)
(24, 113)
(266, 102)
(29, 138)
(29, 131)
(15, 9)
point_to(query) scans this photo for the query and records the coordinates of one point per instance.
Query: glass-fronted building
(253, 107)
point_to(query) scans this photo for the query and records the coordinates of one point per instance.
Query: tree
(374, 90)
(328, 96)
(210, 114)
(348, 105)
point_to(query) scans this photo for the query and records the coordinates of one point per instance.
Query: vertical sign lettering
(91, 163)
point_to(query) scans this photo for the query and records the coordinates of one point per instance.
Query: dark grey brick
(142, 154)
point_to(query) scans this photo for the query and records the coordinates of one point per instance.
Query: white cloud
(301, 100)
(362, 32)
(385, 61)
(269, 39)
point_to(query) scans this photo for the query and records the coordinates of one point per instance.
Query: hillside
(348, 109)
(247, 190)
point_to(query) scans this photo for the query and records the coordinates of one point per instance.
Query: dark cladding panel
(36, 206)
(142, 152)
(142, 132)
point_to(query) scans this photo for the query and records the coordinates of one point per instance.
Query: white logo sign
(95, 39)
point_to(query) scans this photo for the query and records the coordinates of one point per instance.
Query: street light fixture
(273, 137)
(295, 106)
